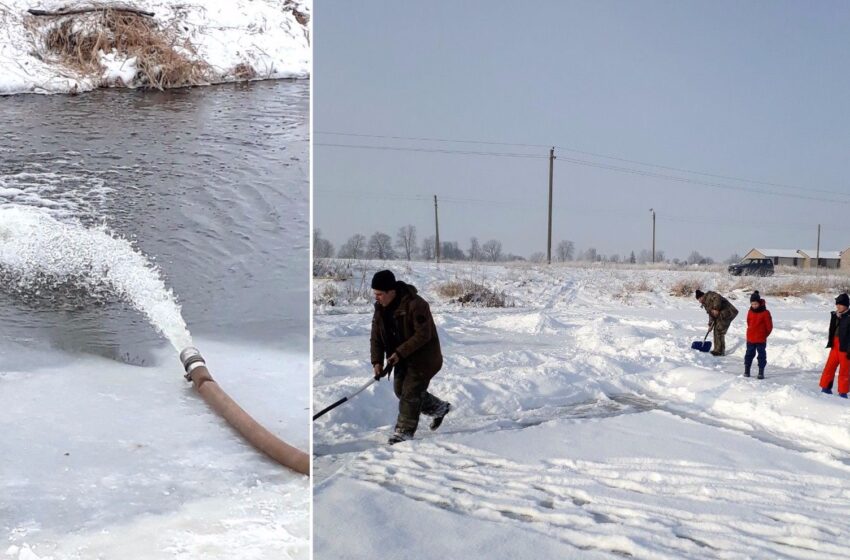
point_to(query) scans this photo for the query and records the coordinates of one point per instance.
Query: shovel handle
(352, 395)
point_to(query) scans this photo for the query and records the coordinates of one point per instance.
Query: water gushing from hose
(40, 253)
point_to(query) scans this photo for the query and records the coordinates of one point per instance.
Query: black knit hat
(383, 280)
(755, 296)
(699, 294)
(843, 299)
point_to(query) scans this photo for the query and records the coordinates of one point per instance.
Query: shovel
(352, 395)
(704, 345)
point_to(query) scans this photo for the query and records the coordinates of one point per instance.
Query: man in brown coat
(403, 330)
(720, 313)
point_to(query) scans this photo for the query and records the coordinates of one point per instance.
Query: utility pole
(549, 243)
(817, 256)
(653, 235)
(437, 227)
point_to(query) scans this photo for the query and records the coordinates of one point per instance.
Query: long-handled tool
(352, 395)
(705, 344)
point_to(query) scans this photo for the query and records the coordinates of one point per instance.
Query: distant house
(802, 258)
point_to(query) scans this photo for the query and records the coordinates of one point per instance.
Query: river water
(211, 184)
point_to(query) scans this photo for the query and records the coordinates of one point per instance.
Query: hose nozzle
(191, 358)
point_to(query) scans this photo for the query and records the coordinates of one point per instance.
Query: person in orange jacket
(759, 327)
(839, 342)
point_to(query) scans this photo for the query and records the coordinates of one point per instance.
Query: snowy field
(263, 34)
(584, 426)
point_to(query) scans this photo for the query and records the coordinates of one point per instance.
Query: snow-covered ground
(108, 460)
(263, 34)
(584, 426)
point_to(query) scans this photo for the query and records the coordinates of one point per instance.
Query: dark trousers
(411, 388)
(721, 325)
(752, 348)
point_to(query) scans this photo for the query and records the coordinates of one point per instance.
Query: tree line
(407, 246)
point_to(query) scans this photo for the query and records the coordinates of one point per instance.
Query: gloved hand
(379, 371)
(393, 360)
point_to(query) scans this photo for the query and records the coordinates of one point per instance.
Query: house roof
(798, 253)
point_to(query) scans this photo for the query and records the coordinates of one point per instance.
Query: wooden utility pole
(549, 243)
(653, 235)
(437, 227)
(817, 256)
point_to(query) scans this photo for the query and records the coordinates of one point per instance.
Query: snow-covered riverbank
(229, 40)
(585, 426)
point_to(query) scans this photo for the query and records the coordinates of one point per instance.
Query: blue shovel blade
(702, 346)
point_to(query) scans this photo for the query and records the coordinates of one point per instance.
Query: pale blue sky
(755, 90)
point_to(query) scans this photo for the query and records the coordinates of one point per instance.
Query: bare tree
(615, 258)
(429, 245)
(537, 257)
(695, 258)
(380, 247)
(405, 241)
(451, 251)
(591, 255)
(475, 253)
(565, 251)
(733, 258)
(354, 248)
(632, 259)
(492, 250)
(322, 248)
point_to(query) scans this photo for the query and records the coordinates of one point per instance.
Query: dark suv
(752, 267)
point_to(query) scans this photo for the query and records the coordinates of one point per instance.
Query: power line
(597, 165)
(662, 217)
(688, 180)
(594, 154)
(430, 150)
(427, 139)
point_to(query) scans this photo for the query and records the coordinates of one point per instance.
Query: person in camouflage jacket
(720, 314)
(403, 331)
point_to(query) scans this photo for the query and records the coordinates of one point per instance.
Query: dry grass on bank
(163, 61)
(467, 292)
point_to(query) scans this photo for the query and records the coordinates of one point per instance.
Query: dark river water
(210, 183)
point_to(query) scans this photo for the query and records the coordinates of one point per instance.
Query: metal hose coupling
(191, 358)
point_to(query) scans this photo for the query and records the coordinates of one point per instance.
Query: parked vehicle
(752, 267)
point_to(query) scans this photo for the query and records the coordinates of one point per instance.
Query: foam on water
(35, 246)
(65, 194)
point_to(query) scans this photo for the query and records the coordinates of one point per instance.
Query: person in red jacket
(839, 343)
(759, 326)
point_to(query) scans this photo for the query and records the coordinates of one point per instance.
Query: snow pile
(209, 40)
(118, 70)
(584, 424)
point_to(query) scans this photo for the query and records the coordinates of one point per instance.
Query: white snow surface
(225, 34)
(107, 460)
(585, 426)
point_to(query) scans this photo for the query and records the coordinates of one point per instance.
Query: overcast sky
(756, 92)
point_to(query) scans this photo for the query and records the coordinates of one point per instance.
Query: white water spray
(35, 246)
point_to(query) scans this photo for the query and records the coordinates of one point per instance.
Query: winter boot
(761, 373)
(439, 414)
(826, 390)
(746, 371)
(399, 436)
(842, 395)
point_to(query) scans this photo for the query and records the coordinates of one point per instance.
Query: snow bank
(237, 40)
